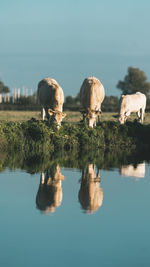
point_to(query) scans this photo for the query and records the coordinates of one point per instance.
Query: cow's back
(92, 93)
(50, 94)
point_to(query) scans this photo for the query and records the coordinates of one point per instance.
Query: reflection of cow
(92, 95)
(132, 103)
(130, 170)
(51, 97)
(90, 193)
(49, 195)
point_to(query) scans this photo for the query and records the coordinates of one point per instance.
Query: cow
(90, 193)
(51, 98)
(132, 103)
(92, 94)
(137, 171)
(49, 195)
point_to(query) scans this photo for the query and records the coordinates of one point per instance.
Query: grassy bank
(38, 135)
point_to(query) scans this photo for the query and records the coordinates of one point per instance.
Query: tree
(3, 88)
(110, 104)
(134, 81)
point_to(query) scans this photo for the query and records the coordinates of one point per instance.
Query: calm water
(70, 217)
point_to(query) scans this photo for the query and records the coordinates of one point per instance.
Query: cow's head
(122, 119)
(91, 116)
(58, 116)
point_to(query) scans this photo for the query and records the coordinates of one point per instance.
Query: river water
(71, 217)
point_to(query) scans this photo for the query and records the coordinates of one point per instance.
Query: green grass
(37, 134)
(36, 138)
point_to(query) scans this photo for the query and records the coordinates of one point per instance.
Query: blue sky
(115, 32)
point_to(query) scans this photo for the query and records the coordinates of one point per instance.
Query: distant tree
(72, 103)
(73, 100)
(110, 104)
(29, 100)
(134, 81)
(3, 88)
(70, 100)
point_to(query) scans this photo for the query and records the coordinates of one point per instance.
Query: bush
(35, 135)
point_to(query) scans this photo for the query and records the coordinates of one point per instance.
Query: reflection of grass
(35, 162)
(72, 116)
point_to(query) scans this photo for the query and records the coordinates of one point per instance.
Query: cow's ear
(63, 115)
(50, 112)
(98, 112)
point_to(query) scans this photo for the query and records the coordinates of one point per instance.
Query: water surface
(72, 217)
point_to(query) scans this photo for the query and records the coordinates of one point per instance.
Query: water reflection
(90, 193)
(49, 195)
(137, 171)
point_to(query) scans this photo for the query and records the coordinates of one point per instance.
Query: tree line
(134, 81)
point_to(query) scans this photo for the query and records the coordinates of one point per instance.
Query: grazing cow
(49, 195)
(51, 97)
(130, 170)
(90, 193)
(132, 103)
(92, 95)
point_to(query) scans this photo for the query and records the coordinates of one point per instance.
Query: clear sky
(72, 39)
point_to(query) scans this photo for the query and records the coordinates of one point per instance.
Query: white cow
(51, 97)
(130, 170)
(92, 95)
(132, 103)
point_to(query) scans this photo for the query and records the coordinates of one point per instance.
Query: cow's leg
(98, 174)
(47, 114)
(98, 118)
(127, 114)
(142, 114)
(43, 113)
(139, 113)
(94, 123)
(42, 178)
(84, 117)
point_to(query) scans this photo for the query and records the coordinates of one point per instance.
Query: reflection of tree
(49, 195)
(90, 193)
(137, 171)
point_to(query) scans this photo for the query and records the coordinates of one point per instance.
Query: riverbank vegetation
(36, 135)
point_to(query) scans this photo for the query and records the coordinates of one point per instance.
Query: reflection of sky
(116, 235)
(69, 40)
